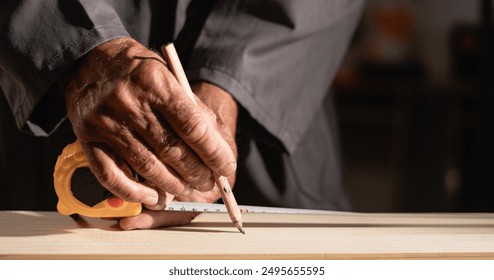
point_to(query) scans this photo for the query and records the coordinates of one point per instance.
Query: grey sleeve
(39, 41)
(276, 57)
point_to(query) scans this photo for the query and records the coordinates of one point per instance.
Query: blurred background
(415, 105)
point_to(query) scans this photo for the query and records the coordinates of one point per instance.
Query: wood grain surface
(49, 235)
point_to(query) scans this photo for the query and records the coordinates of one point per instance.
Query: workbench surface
(338, 235)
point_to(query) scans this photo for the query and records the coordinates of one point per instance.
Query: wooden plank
(48, 235)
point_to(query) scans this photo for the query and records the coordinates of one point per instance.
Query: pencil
(221, 182)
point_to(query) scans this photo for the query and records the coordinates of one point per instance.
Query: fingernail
(151, 200)
(124, 225)
(205, 186)
(188, 190)
(228, 169)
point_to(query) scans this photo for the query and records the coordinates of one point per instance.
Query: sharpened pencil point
(238, 225)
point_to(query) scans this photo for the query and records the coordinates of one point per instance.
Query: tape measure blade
(220, 208)
(195, 207)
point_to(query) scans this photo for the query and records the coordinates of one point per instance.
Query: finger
(171, 150)
(163, 200)
(197, 130)
(154, 219)
(148, 166)
(226, 122)
(103, 164)
(204, 197)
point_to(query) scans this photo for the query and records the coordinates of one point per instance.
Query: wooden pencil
(221, 182)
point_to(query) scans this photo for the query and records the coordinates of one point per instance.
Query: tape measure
(220, 208)
(79, 192)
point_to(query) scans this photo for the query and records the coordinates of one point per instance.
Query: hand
(225, 112)
(124, 105)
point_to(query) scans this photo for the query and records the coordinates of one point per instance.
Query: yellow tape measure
(80, 193)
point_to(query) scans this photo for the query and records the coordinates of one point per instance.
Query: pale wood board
(49, 235)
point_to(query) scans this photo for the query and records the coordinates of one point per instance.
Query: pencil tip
(241, 230)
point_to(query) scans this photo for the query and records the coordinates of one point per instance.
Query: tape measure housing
(93, 198)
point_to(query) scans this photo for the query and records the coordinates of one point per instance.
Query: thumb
(153, 219)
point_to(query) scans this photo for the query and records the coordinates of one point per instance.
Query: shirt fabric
(277, 58)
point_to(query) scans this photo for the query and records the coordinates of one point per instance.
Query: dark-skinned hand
(125, 106)
(225, 112)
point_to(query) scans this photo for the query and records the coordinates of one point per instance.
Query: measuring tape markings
(220, 208)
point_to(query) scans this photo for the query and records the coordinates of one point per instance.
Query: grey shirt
(277, 59)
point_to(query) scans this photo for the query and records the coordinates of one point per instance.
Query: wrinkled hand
(125, 106)
(225, 112)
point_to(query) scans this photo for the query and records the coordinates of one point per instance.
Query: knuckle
(196, 129)
(212, 115)
(215, 155)
(175, 187)
(177, 156)
(170, 148)
(198, 174)
(190, 168)
(206, 185)
(148, 168)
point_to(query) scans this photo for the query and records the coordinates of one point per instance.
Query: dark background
(415, 101)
